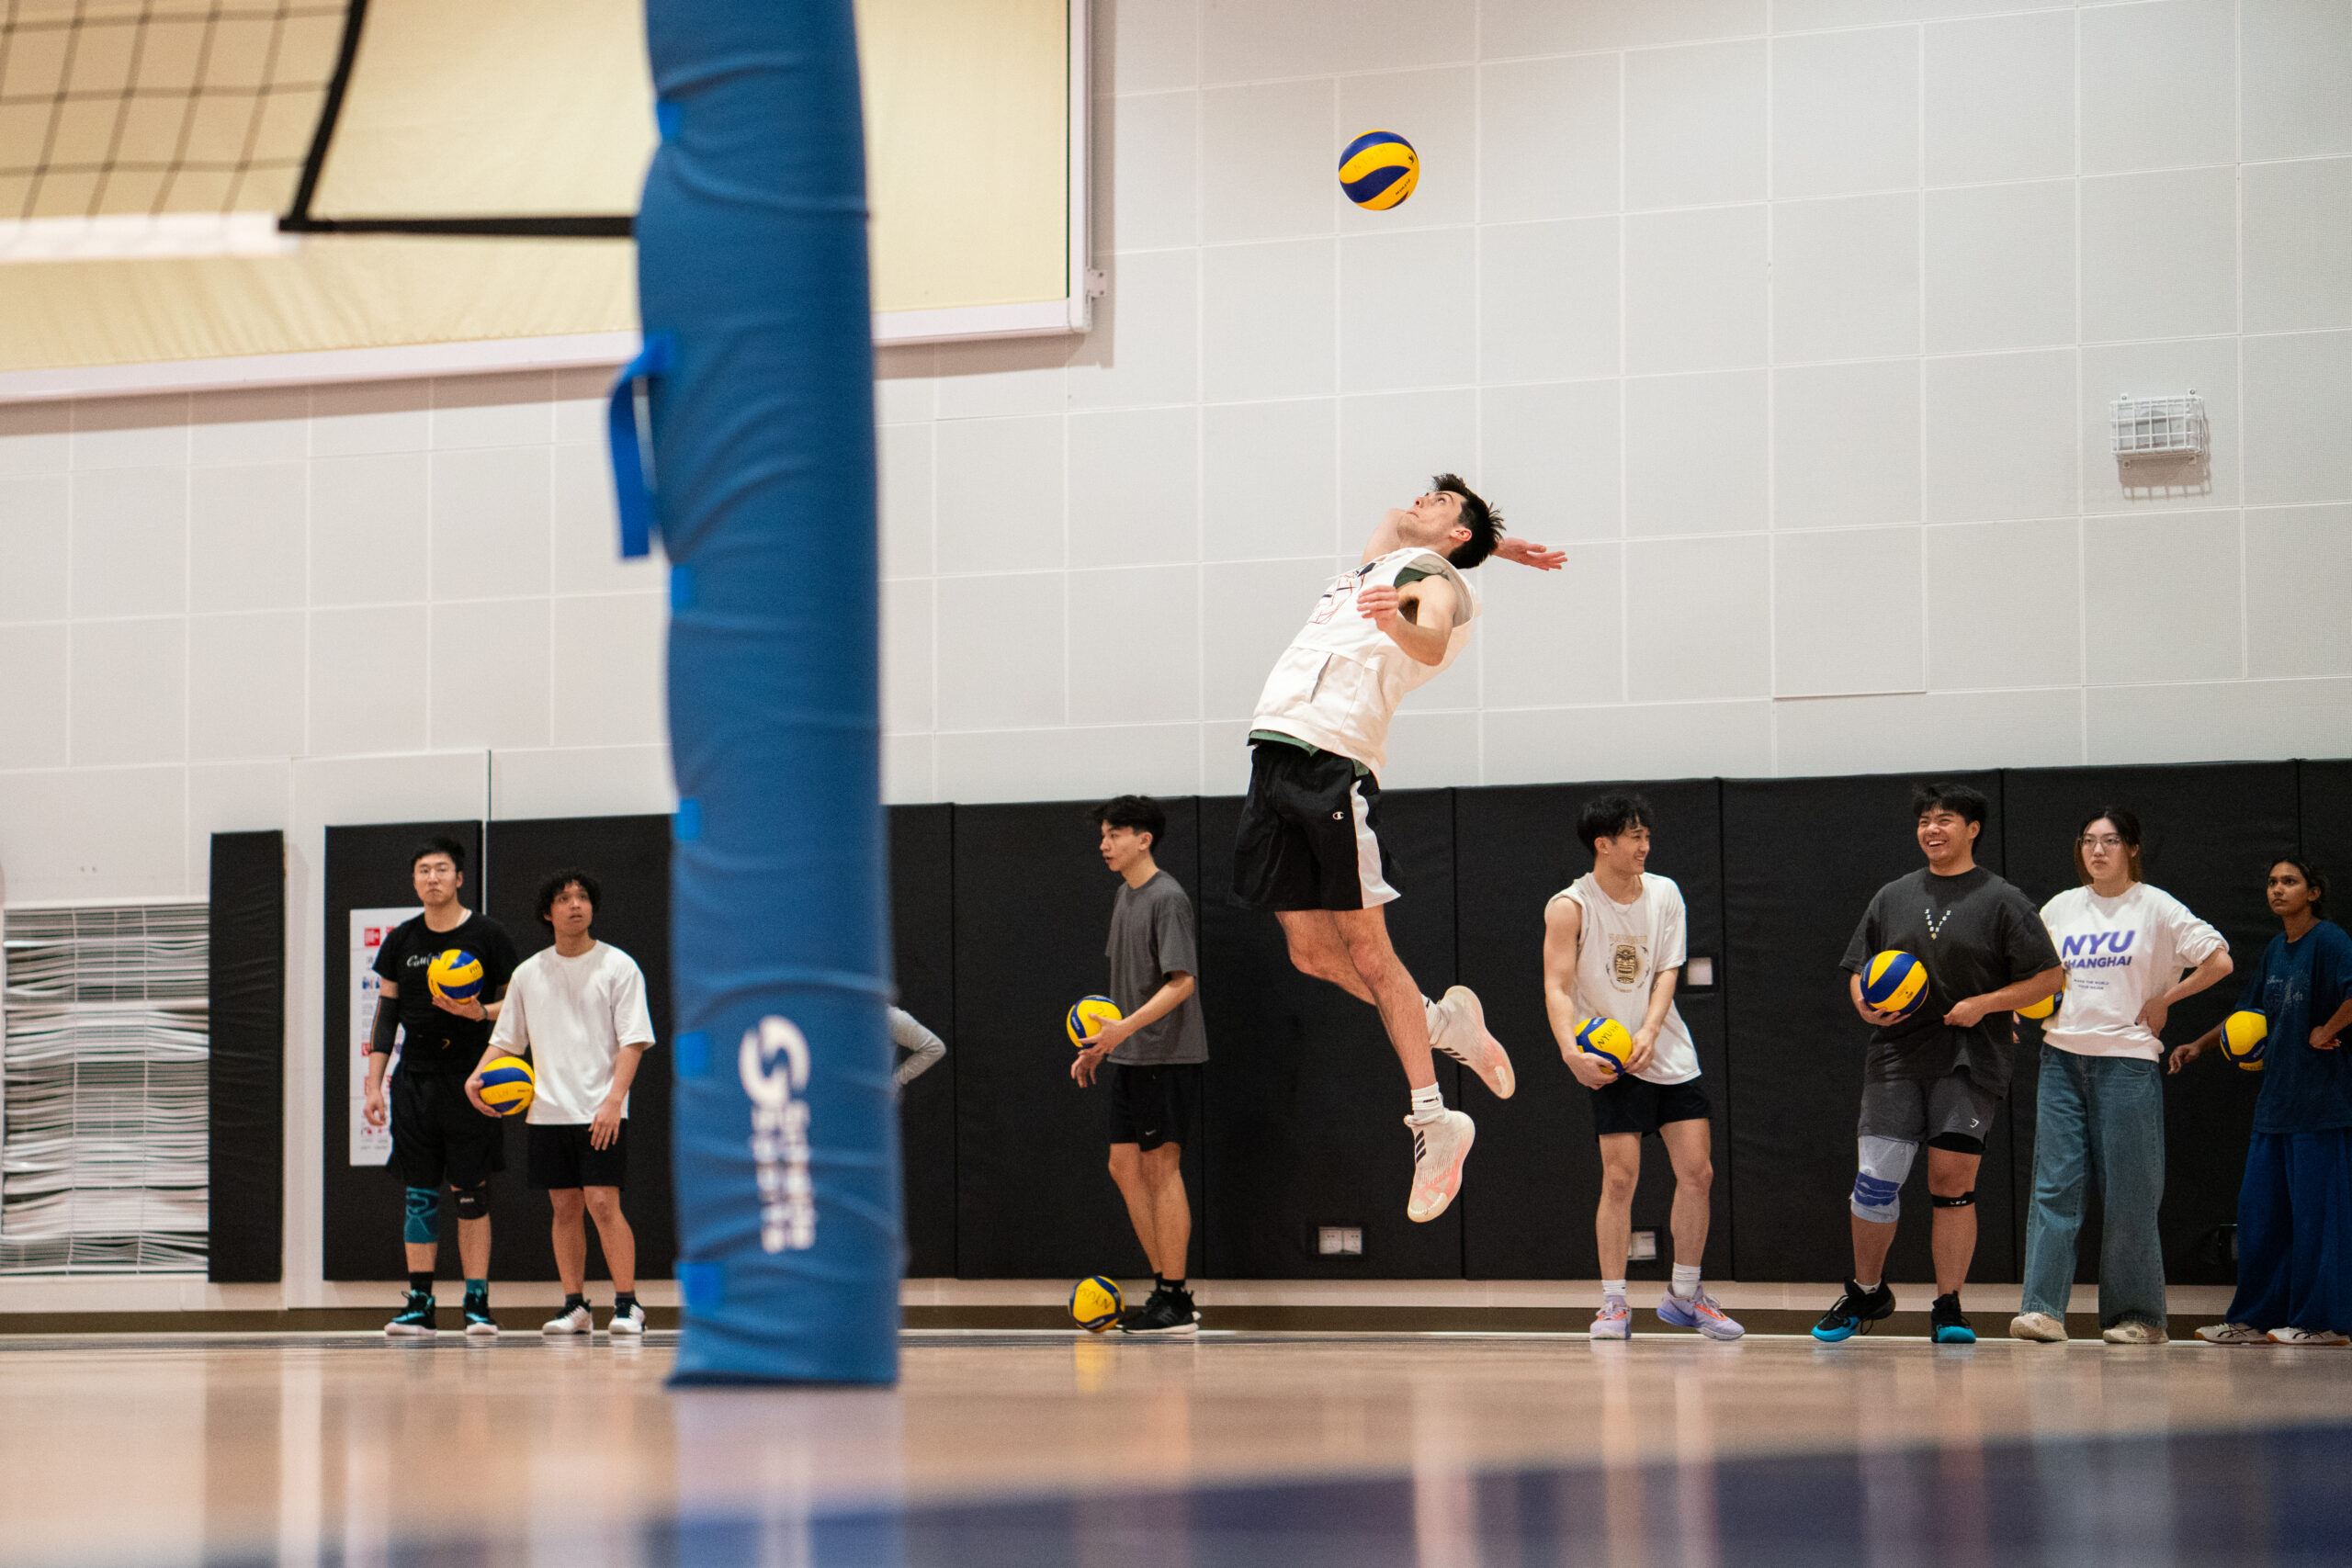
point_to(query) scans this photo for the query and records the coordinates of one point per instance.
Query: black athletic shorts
(1951, 1105)
(1310, 833)
(437, 1135)
(562, 1157)
(1637, 1105)
(1151, 1106)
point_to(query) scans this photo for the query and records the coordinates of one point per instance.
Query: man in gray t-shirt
(1150, 1058)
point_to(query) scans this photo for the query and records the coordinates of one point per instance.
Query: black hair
(2313, 879)
(1606, 815)
(2127, 828)
(1968, 805)
(1137, 811)
(1485, 523)
(552, 889)
(439, 844)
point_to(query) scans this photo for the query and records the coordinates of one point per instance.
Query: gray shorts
(1919, 1111)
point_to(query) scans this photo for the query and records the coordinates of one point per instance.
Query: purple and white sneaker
(1699, 1311)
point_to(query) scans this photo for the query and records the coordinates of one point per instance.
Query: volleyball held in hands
(454, 975)
(2047, 1007)
(1086, 1017)
(1607, 1039)
(1894, 983)
(507, 1086)
(2246, 1038)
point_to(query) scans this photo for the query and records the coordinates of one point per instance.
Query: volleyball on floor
(2244, 1037)
(507, 1086)
(2048, 1006)
(1607, 1039)
(1379, 170)
(1895, 983)
(1087, 1016)
(455, 974)
(1095, 1303)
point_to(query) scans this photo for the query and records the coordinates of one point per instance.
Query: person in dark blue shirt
(2295, 1205)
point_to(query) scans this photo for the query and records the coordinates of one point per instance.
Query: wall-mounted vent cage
(104, 1039)
(2172, 429)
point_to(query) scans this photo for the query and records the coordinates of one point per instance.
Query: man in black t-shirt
(1933, 1075)
(437, 1134)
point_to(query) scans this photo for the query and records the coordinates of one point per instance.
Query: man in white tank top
(1309, 847)
(1614, 947)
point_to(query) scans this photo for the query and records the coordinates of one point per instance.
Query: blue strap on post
(632, 488)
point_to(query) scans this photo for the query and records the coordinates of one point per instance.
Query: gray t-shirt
(1975, 933)
(1151, 937)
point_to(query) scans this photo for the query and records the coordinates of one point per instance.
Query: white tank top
(1339, 682)
(1620, 950)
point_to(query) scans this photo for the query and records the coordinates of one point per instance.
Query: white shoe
(626, 1321)
(1439, 1149)
(2232, 1334)
(2046, 1328)
(575, 1321)
(2307, 1336)
(1614, 1320)
(2134, 1333)
(1462, 1035)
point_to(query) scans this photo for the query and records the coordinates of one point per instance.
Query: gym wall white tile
(232, 797)
(1409, 310)
(245, 682)
(1002, 651)
(1548, 138)
(1556, 640)
(1086, 763)
(902, 475)
(905, 384)
(94, 833)
(2000, 267)
(1930, 730)
(1846, 444)
(1547, 301)
(2160, 254)
(1266, 327)
(582, 398)
(129, 691)
(1145, 345)
(2000, 436)
(260, 424)
(33, 701)
(1665, 416)
(1145, 186)
(1386, 35)
(490, 671)
(1266, 159)
(1133, 490)
(1666, 740)
(1704, 608)
(1695, 291)
(908, 617)
(351, 417)
(36, 546)
(131, 433)
(1269, 480)
(609, 663)
(368, 522)
(1552, 449)
(36, 438)
(2298, 559)
(2298, 235)
(2294, 78)
(586, 543)
(2217, 721)
(1846, 279)
(492, 511)
(1146, 46)
(1798, 16)
(1134, 646)
(1844, 112)
(2162, 600)
(2000, 97)
(511, 410)
(1245, 42)
(2005, 603)
(1000, 492)
(1695, 122)
(581, 781)
(2159, 84)
(1426, 747)
(1441, 107)
(370, 680)
(248, 538)
(1847, 609)
(129, 554)
(1389, 447)
(2297, 407)
(1015, 376)
(1248, 610)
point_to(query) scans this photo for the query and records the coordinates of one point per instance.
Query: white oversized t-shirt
(1620, 950)
(574, 1014)
(2120, 953)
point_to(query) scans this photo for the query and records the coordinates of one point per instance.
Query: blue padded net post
(752, 275)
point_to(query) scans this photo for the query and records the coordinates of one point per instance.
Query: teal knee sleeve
(423, 1226)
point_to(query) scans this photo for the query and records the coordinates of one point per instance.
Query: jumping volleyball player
(1309, 847)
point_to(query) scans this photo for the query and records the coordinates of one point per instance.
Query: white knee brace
(1878, 1189)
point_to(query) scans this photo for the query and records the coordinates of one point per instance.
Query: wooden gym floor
(1297, 1450)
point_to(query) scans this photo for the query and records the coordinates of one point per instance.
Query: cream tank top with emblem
(1620, 948)
(1339, 682)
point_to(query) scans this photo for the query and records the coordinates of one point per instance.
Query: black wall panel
(1528, 1192)
(1802, 858)
(923, 933)
(1033, 1197)
(2324, 791)
(2208, 831)
(629, 856)
(1305, 1100)
(246, 1069)
(360, 1213)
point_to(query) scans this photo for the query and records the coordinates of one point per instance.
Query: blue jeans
(2103, 1116)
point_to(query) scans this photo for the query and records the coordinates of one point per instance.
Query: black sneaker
(1854, 1314)
(415, 1321)
(1947, 1324)
(479, 1322)
(1163, 1311)
(1184, 1303)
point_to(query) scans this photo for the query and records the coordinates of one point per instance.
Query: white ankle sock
(1429, 1104)
(1613, 1287)
(1686, 1279)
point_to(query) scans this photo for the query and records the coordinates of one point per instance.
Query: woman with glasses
(2295, 1205)
(2100, 1111)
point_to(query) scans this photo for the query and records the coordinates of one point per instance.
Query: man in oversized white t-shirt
(578, 1009)
(1308, 845)
(1614, 947)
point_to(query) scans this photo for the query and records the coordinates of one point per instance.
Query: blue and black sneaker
(479, 1322)
(415, 1320)
(1854, 1314)
(1947, 1324)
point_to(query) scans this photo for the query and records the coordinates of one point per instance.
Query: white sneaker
(1462, 1035)
(1439, 1149)
(575, 1321)
(1614, 1320)
(2232, 1334)
(2046, 1328)
(2307, 1336)
(627, 1320)
(2134, 1333)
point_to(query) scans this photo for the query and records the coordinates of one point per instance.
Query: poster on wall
(370, 1145)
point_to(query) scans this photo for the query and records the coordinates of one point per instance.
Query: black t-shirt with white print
(437, 1041)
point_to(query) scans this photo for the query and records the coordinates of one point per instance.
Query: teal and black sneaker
(479, 1322)
(1947, 1324)
(415, 1320)
(1854, 1314)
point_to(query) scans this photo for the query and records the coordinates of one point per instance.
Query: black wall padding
(2325, 803)
(1305, 1100)
(922, 930)
(1534, 1174)
(1802, 858)
(1032, 908)
(629, 856)
(360, 1214)
(245, 1072)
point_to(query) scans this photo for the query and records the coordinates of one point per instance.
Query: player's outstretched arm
(1526, 552)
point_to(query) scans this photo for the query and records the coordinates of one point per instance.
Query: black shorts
(1151, 1106)
(437, 1135)
(1310, 833)
(562, 1156)
(1952, 1105)
(1637, 1105)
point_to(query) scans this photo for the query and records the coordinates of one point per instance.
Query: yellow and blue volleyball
(1607, 1039)
(2245, 1036)
(455, 974)
(1379, 170)
(1896, 983)
(1088, 1015)
(2048, 1006)
(507, 1086)
(1095, 1302)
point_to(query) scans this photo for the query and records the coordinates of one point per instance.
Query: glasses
(2101, 841)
